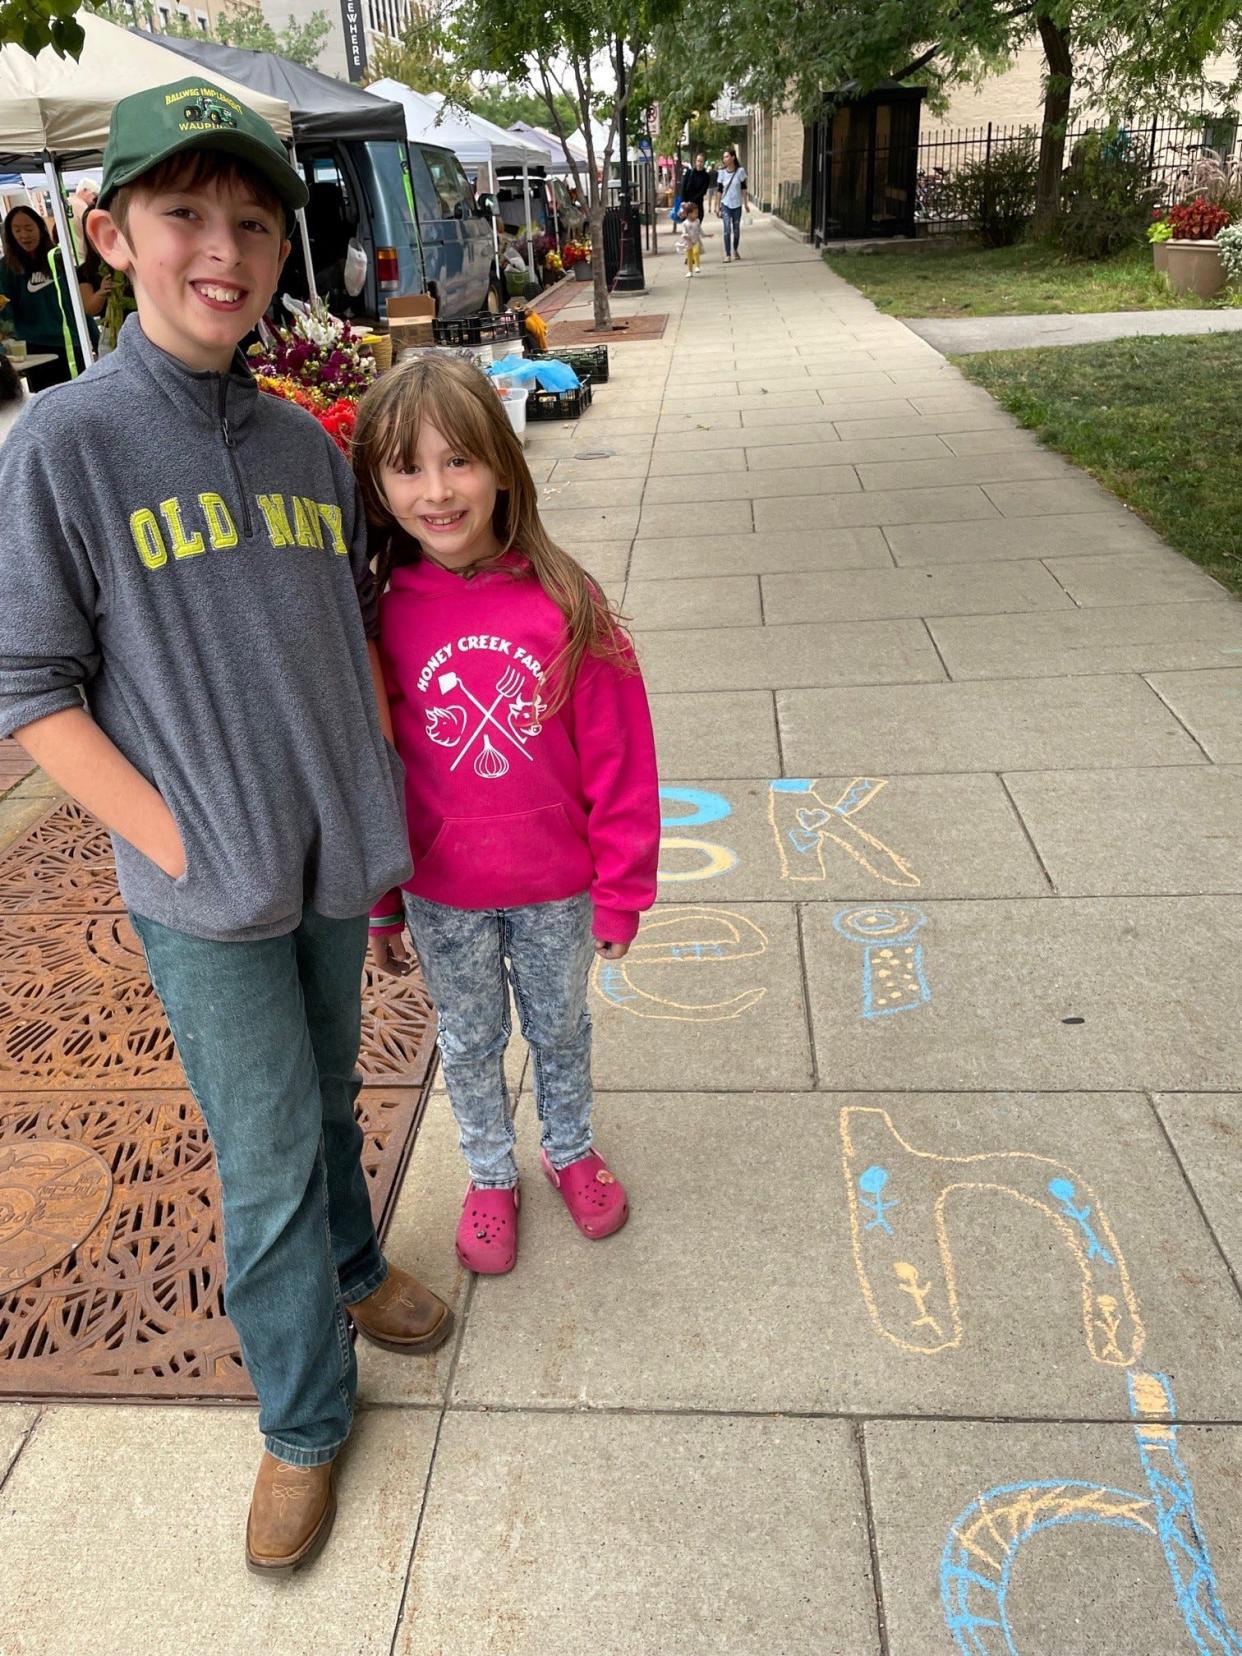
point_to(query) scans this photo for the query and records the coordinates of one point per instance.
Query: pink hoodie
(506, 807)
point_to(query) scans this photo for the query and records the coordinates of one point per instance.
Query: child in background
(531, 790)
(691, 243)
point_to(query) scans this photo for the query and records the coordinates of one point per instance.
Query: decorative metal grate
(111, 1262)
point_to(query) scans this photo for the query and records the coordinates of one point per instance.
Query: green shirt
(33, 308)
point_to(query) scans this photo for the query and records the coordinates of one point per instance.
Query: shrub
(995, 194)
(1106, 200)
(1198, 220)
(1229, 246)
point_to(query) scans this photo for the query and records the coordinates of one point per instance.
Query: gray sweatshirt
(188, 555)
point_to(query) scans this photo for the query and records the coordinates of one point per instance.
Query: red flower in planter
(1197, 220)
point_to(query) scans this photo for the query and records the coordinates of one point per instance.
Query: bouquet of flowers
(316, 351)
(576, 252)
(337, 416)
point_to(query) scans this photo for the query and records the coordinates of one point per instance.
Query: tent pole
(530, 251)
(304, 233)
(67, 260)
(494, 191)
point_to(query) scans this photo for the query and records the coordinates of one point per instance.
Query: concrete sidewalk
(924, 1077)
(967, 335)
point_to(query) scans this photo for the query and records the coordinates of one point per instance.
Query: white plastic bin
(514, 399)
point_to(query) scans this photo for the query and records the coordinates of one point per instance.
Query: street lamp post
(630, 278)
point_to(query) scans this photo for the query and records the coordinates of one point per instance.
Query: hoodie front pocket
(506, 861)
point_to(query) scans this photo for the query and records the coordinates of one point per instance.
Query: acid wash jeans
(268, 1034)
(469, 957)
(732, 229)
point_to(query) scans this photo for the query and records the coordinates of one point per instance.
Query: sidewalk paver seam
(873, 1549)
(1030, 838)
(1194, 1194)
(1176, 715)
(458, 1340)
(29, 1432)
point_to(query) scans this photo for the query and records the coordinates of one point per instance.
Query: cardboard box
(412, 307)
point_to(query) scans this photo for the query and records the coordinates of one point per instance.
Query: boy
(691, 237)
(184, 648)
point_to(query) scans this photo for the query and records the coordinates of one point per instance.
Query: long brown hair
(16, 258)
(453, 396)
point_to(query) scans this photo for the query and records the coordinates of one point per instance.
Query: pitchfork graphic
(507, 686)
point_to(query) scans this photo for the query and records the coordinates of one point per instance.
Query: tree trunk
(1057, 94)
(603, 308)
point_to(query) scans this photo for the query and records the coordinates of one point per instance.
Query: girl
(691, 243)
(33, 304)
(531, 786)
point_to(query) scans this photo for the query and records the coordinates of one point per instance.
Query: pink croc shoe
(595, 1197)
(487, 1232)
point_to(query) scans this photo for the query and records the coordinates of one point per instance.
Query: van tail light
(387, 270)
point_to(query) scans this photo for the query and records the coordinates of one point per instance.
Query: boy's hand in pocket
(390, 953)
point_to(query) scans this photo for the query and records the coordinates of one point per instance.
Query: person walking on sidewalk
(184, 648)
(733, 199)
(695, 183)
(691, 243)
(531, 790)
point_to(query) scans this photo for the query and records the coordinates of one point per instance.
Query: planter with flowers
(1229, 246)
(1159, 234)
(577, 257)
(1193, 257)
(318, 362)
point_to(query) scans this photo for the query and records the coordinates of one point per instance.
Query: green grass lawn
(1157, 420)
(1007, 281)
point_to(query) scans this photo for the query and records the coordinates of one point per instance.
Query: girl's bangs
(457, 414)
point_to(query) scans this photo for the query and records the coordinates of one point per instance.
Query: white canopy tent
(474, 141)
(599, 137)
(551, 146)
(53, 109)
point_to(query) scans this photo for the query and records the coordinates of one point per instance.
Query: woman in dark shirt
(33, 305)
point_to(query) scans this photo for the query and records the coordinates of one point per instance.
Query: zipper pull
(227, 434)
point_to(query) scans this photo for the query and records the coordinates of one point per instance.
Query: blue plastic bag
(550, 375)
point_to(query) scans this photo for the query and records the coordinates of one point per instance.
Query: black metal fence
(793, 204)
(1171, 151)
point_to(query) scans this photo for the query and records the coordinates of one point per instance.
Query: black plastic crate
(484, 329)
(587, 361)
(559, 405)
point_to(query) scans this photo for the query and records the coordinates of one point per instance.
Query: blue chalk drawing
(893, 977)
(613, 984)
(976, 1565)
(1173, 1496)
(1063, 1190)
(705, 807)
(871, 1182)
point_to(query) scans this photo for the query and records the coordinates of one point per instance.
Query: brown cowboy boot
(402, 1315)
(291, 1513)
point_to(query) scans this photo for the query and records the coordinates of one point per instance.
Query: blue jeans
(268, 1034)
(732, 229)
(469, 957)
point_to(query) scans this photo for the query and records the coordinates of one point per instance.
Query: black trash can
(612, 244)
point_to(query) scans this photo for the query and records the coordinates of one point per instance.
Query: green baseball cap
(149, 127)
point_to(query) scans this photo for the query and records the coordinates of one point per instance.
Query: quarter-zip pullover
(188, 557)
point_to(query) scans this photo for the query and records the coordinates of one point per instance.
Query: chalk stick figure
(908, 1283)
(871, 1182)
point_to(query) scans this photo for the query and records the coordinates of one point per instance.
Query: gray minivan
(412, 209)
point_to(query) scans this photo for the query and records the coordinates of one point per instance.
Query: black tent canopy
(320, 106)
